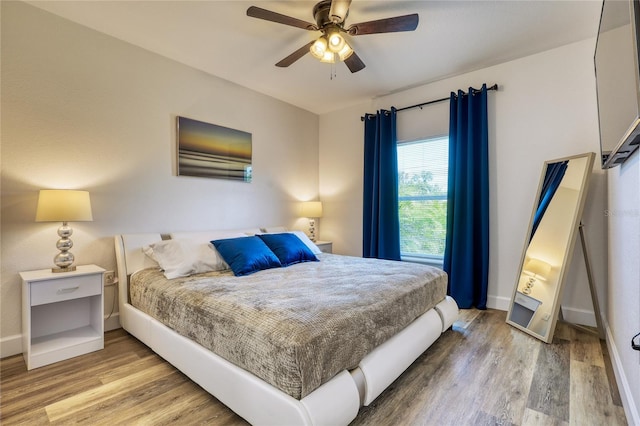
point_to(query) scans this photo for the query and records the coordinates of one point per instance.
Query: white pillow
(303, 237)
(184, 257)
(251, 231)
(207, 236)
(274, 229)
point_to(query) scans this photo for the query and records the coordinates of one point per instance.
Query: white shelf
(63, 340)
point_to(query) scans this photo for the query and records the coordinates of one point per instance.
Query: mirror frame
(568, 254)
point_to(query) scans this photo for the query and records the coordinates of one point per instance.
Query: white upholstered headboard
(131, 258)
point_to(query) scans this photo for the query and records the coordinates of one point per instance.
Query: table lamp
(311, 210)
(63, 205)
(537, 270)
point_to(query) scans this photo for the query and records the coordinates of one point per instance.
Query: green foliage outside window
(423, 214)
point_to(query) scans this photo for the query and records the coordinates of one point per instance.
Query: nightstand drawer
(527, 301)
(65, 289)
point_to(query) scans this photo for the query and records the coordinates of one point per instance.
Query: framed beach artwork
(209, 150)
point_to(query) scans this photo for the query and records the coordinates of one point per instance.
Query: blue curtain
(381, 223)
(552, 178)
(466, 254)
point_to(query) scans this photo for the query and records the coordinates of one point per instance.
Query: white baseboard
(498, 302)
(10, 345)
(579, 316)
(630, 408)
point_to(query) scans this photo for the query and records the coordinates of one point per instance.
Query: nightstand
(325, 246)
(62, 314)
(524, 308)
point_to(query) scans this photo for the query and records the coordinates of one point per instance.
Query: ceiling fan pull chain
(333, 71)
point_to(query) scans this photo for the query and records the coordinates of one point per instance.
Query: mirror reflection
(554, 225)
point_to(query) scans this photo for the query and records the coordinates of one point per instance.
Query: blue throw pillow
(289, 248)
(246, 255)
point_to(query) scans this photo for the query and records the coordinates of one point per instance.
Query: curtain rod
(494, 87)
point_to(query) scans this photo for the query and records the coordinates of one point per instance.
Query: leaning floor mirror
(549, 246)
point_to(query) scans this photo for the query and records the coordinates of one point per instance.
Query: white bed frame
(336, 402)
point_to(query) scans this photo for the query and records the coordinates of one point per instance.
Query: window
(422, 197)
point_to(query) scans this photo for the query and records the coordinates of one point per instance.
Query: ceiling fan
(330, 16)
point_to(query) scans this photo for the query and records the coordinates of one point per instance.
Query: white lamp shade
(63, 205)
(537, 268)
(311, 209)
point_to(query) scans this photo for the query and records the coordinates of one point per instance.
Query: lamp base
(64, 259)
(530, 283)
(65, 269)
(312, 230)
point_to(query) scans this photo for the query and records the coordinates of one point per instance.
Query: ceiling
(452, 38)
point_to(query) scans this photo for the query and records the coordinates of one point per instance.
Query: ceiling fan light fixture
(329, 57)
(319, 48)
(345, 52)
(336, 41)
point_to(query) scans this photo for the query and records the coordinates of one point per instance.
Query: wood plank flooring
(482, 372)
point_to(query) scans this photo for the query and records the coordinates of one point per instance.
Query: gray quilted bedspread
(293, 327)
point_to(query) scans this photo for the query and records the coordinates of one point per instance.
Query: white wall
(341, 167)
(623, 213)
(82, 110)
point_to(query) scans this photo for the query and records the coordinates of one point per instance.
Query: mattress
(294, 327)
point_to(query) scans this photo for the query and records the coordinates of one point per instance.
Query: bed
(287, 358)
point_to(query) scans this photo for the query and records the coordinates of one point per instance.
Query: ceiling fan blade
(339, 10)
(295, 55)
(267, 15)
(354, 63)
(388, 25)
